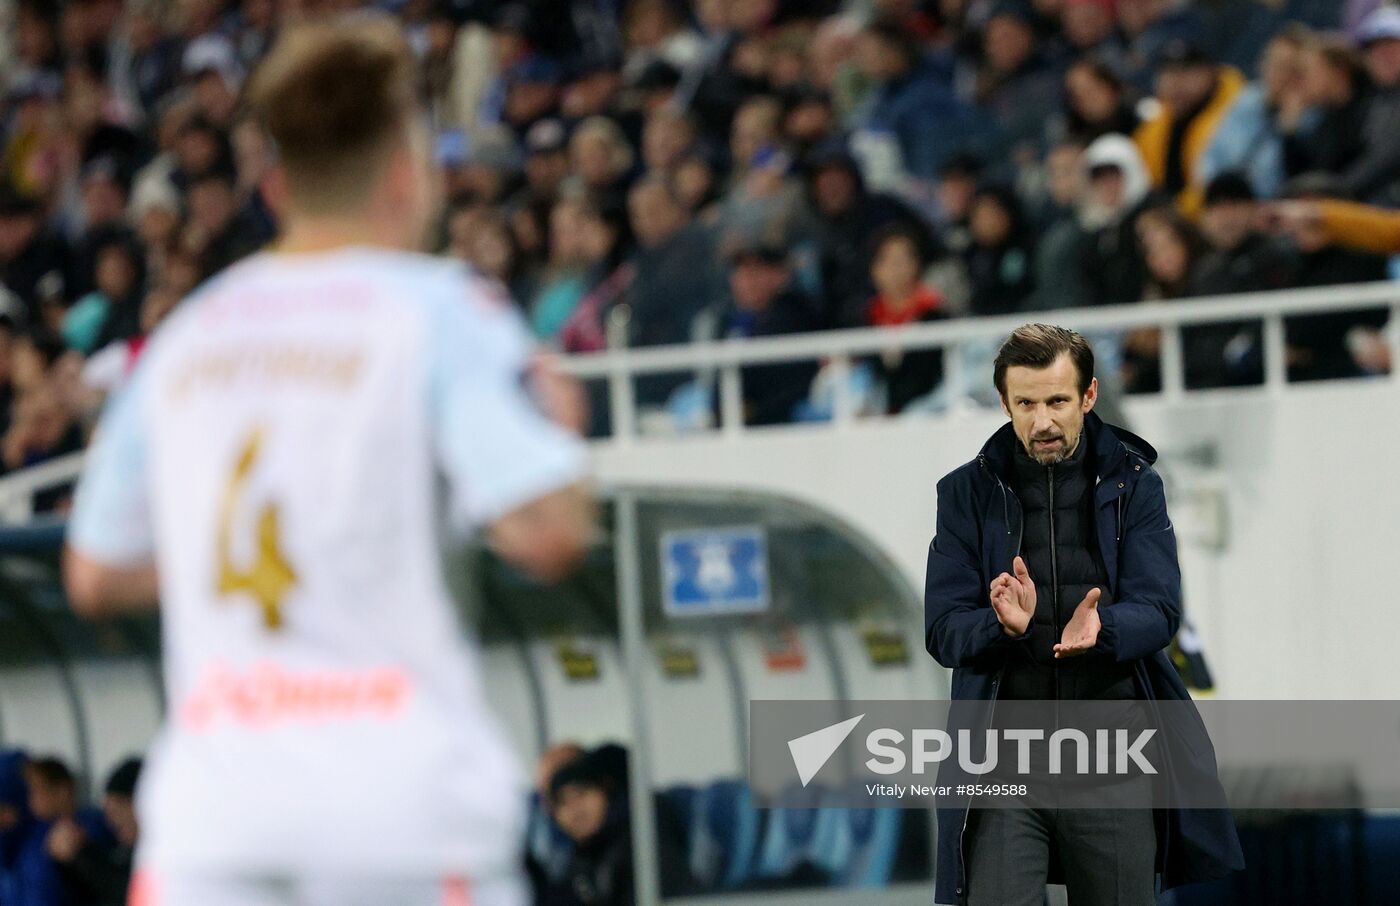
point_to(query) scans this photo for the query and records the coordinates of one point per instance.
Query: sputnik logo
(811, 752)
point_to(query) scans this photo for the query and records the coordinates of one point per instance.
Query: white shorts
(150, 887)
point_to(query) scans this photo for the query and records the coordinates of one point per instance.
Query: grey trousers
(1107, 856)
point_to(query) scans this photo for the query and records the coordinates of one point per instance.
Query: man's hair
(51, 772)
(1038, 346)
(335, 97)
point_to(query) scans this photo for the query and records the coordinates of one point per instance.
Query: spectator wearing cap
(1193, 94)
(1317, 345)
(1016, 83)
(95, 868)
(1000, 257)
(546, 162)
(764, 301)
(214, 77)
(1336, 84)
(1116, 189)
(1250, 137)
(846, 214)
(898, 260)
(1241, 259)
(911, 101)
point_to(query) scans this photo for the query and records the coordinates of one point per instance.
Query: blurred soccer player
(273, 471)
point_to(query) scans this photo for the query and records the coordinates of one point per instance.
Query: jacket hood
(1109, 443)
(1114, 151)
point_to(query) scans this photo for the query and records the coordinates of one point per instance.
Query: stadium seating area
(729, 168)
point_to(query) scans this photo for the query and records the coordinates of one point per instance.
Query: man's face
(1086, 24)
(1008, 43)
(755, 283)
(1227, 224)
(580, 810)
(48, 801)
(655, 216)
(1046, 410)
(1184, 87)
(211, 205)
(835, 190)
(103, 201)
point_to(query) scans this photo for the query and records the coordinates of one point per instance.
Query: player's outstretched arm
(96, 589)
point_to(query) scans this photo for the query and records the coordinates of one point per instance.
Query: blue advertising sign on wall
(705, 572)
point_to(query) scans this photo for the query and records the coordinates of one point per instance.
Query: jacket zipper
(996, 683)
(1054, 576)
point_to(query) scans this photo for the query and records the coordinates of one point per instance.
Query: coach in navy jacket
(975, 544)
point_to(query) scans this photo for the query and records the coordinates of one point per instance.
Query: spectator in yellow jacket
(1193, 96)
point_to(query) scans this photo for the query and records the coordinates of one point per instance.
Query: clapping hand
(1013, 599)
(1082, 631)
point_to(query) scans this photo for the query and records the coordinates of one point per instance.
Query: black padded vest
(1060, 547)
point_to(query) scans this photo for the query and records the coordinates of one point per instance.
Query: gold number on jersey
(268, 577)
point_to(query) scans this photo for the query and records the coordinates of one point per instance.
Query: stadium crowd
(726, 168)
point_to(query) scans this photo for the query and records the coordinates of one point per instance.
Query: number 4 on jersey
(268, 577)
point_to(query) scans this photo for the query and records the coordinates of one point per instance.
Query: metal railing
(621, 366)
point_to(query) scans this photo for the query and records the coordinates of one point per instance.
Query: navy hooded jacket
(975, 541)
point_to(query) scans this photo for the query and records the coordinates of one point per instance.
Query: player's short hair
(1038, 346)
(336, 97)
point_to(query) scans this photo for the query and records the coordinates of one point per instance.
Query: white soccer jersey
(287, 450)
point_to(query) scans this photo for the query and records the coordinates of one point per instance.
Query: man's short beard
(1050, 458)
